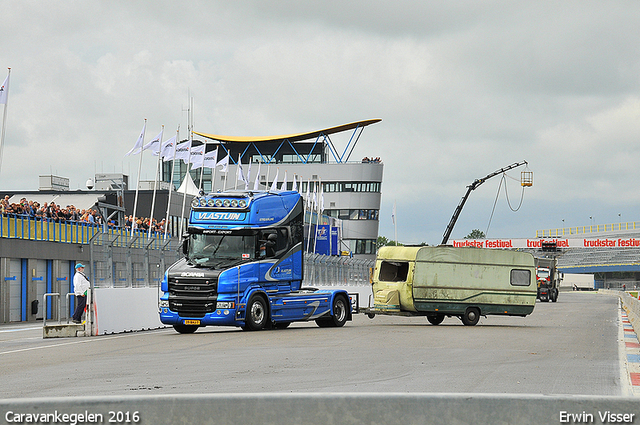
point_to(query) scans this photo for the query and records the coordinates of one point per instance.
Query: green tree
(384, 241)
(475, 234)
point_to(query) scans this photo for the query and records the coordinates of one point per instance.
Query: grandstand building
(351, 190)
(610, 252)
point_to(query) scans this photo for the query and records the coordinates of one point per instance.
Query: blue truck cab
(243, 266)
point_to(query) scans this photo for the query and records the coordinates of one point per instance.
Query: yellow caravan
(439, 281)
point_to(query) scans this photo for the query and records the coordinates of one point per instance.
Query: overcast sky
(463, 88)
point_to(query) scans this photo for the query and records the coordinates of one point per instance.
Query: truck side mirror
(185, 246)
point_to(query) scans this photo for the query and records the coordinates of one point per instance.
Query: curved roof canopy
(292, 137)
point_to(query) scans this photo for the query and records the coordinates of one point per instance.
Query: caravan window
(393, 271)
(520, 277)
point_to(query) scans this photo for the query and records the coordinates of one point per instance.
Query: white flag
(4, 91)
(166, 152)
(182, 151)
(139, 143)
(240, 172)
(246, 181)
(295, 184)
(257, 181)
(321, 198)
(154, 144)
(306, 198)
(300, 186)
(211, 158)
(315, 201)
(197, 156)
(274, 185)
(283, 186)
(224, 163)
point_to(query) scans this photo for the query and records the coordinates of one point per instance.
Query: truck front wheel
(256, 314)
(185, 329)
(471, 316)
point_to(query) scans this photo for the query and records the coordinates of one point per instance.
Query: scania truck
(243, 267)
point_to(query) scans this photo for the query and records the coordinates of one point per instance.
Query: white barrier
(134, 309)
(322, 409)
(126, 309)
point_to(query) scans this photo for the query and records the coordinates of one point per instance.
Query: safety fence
(332, 270)
(119, 261)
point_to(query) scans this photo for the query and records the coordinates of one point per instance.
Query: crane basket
(526, 178)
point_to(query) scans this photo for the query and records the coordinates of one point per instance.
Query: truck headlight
(225, 304)
(164, 303)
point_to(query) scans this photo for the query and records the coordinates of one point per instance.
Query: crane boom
(472, 186)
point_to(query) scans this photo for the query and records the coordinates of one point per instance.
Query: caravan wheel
(471, 316)
(435, 318)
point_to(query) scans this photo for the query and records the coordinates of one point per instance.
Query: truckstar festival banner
(560, 243)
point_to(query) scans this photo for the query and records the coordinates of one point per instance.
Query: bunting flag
(274, 185)
(182, 151)
(4, 91)
(256, 183)
(211, 159)
(139, 143)
(223, 163)
(166, 152)
(197, 156)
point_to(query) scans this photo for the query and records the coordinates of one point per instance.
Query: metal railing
(19, 226)
(595, 228)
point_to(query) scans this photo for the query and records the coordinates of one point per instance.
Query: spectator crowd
(53, 212)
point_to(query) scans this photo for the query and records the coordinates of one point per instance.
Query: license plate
(191, 322)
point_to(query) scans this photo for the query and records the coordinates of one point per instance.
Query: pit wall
(631, 305)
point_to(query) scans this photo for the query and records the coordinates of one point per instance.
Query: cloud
(463, 89)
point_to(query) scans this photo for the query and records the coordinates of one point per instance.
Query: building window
(363, 246)
(352, 214)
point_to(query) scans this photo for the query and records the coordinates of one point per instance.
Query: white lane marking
(67, 343)
(21, 329)
(626, 388)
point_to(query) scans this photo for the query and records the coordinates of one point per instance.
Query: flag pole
(155, 183)
(315, 239)
(173, 164)
(395, 223)
(184, 194)
(135, 202)
(4, 117)
(213, 173)
(204, 152)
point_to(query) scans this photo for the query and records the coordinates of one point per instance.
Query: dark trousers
(81, 300)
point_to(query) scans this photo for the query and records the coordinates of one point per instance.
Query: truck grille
(193, 297)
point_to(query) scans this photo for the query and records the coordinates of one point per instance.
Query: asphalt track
(566, 348)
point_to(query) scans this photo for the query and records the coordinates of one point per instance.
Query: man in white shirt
(80, 287)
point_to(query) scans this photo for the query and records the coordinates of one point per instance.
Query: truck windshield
(543, 273)
(213, 250)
